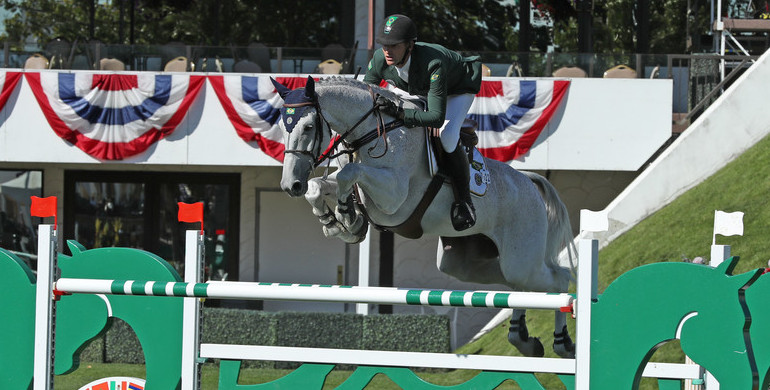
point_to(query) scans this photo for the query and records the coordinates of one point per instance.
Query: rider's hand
(389, 107)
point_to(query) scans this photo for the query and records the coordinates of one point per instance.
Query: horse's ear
(310, 87)
(282, 89)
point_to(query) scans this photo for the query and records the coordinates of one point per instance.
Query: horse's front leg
(320, 194)
(383, 186)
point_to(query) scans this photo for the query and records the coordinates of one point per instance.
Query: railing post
(279, 60)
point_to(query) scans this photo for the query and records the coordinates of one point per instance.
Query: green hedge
(393, 332)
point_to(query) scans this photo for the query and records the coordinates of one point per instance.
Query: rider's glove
(389, 107)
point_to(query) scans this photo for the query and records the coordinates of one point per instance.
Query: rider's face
(395, 53)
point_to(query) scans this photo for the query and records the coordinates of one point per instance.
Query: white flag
(728, 224)
(594, 221)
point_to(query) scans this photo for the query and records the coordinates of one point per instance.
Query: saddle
(479, 177)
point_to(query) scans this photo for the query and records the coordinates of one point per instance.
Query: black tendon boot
(463, 214)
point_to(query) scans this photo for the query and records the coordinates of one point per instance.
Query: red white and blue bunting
(114, 116)
(511, 114)
(8, 83)
(253, 107)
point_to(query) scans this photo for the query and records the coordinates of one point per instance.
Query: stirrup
(463, 215)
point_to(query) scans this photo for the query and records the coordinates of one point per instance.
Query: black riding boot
(463, 214)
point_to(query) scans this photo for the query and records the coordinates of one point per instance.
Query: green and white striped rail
(319, 293)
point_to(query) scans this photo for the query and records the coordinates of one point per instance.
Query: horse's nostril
(296, 188)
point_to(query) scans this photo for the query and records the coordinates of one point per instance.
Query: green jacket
(434, 72)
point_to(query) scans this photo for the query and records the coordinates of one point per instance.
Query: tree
(478, 25)
(48, 19)
(198, 22)
(469, 26)
(619, 25)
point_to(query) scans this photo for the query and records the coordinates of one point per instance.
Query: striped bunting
(252, 105)
(8, 83)
(512, 113)
(114, 116)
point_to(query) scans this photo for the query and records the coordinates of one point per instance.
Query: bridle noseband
(319, 157)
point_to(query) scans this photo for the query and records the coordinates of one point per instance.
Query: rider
(448, 80)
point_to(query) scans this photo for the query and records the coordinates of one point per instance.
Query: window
(18, 232)
(139, 210)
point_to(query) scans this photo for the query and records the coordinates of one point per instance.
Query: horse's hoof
(564, 353)
(563, 345)
(532, 347)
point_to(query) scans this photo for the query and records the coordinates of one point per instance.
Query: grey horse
(522, 224)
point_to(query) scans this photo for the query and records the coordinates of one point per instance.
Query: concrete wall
(603, 124)
(730, 126)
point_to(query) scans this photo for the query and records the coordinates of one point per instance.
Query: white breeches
(457, 107)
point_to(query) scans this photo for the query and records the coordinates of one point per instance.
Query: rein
(352, 146)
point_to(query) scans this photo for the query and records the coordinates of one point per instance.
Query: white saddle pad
(479, 175)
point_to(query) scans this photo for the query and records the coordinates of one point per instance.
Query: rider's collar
(294, 106)
(403, 71)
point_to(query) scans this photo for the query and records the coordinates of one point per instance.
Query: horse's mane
(339, 81)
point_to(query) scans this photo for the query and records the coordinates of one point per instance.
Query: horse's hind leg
(562, 342)
(518, 335)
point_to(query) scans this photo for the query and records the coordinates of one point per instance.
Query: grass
(681, 230)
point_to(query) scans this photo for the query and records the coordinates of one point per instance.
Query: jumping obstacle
(319, 293)
(510, 367)
(683, 297)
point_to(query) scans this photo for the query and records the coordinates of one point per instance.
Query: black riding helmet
(397, 28)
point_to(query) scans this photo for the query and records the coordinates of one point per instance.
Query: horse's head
(305, 137)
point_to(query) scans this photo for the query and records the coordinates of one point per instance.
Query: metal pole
(370, 30)
(191, 312)
(44, 308)
(363, 269)
(588, 251)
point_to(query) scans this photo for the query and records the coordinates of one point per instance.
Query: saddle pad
(479, 175)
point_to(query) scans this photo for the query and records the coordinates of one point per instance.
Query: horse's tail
(559, 228)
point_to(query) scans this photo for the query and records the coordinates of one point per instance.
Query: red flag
(44, 207)
(191, 213)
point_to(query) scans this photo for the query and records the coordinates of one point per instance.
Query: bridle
(318, 134)
(351, 147)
